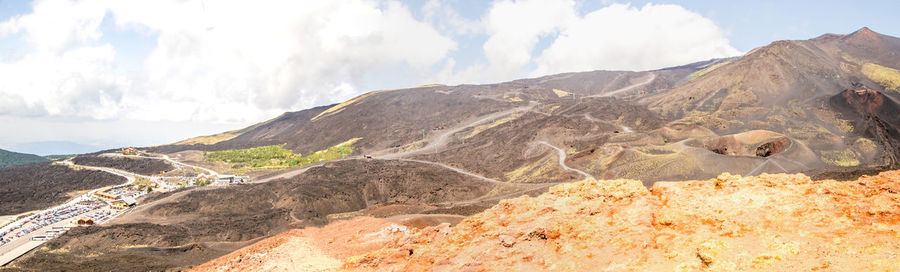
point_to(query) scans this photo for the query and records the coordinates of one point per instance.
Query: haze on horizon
(79, 76)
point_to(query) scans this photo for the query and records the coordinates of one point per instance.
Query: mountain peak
(865, 29)
(863, 34)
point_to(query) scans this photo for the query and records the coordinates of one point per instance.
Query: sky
(79, 76)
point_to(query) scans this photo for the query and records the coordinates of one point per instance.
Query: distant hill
(44, 148)
(9, 158)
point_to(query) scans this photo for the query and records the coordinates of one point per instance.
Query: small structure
(104, 194)
(129, 151)
(129, 201)
(224, 178)
(120, 205)
(232, 179)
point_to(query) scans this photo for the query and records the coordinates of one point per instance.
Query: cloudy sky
(76, 76)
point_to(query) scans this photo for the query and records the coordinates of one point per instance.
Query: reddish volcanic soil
(767, 223)
(311, 249)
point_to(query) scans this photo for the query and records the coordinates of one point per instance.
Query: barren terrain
(767, 223)
(38, 186)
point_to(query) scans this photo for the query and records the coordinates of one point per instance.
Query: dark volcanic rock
(190, 228)
(38, 186)
(134, 165)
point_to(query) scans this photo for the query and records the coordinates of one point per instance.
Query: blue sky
(106, 73)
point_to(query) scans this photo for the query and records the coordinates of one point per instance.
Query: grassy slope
(886, 76)
(9, 158)
(276, 157)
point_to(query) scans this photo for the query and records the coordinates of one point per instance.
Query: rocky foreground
(767, 223)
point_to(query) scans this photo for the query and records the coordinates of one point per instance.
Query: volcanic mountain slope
(9, 158)
(37, 186)
(141, 166)
(394, 118)
(775, 109)
(525, 147)
(797, 88)
(190, 227)
(767, 223)
(566, 111)
(782, 71)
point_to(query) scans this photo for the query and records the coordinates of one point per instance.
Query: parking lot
(97, 207)
(25, 229)
(125, 191)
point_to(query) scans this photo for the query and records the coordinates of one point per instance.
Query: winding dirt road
(464, 172)
(302, 170)
(562, 160)
(590, 118)
(165, 158)
(442, 139)
(627, 88)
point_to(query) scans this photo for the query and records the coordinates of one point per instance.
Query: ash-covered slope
(767, 223)
(137, 165)
(394, 118)
(38, 186)
(783, 73)
(792, 88)
(687, 122)
(187, 228)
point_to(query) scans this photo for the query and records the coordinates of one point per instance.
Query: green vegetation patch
(340, 107)
(493, 124)
(276, 156)
(224, 136)
(886, 76)
(866, 145)
(533, 172)
(845, 158)
(561, 93)
(707, 70)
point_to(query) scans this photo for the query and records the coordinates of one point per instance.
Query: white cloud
(238, 62)
(224, 61)
(515, 28)
(615, 37)
(268, 57)
(446, 19)
(621, 37)
(55, 77)
(57, 24)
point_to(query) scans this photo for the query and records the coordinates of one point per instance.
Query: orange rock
(771, 222)
(766, 223)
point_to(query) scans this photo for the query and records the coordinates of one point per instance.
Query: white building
(129, 201)
(232, 179)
